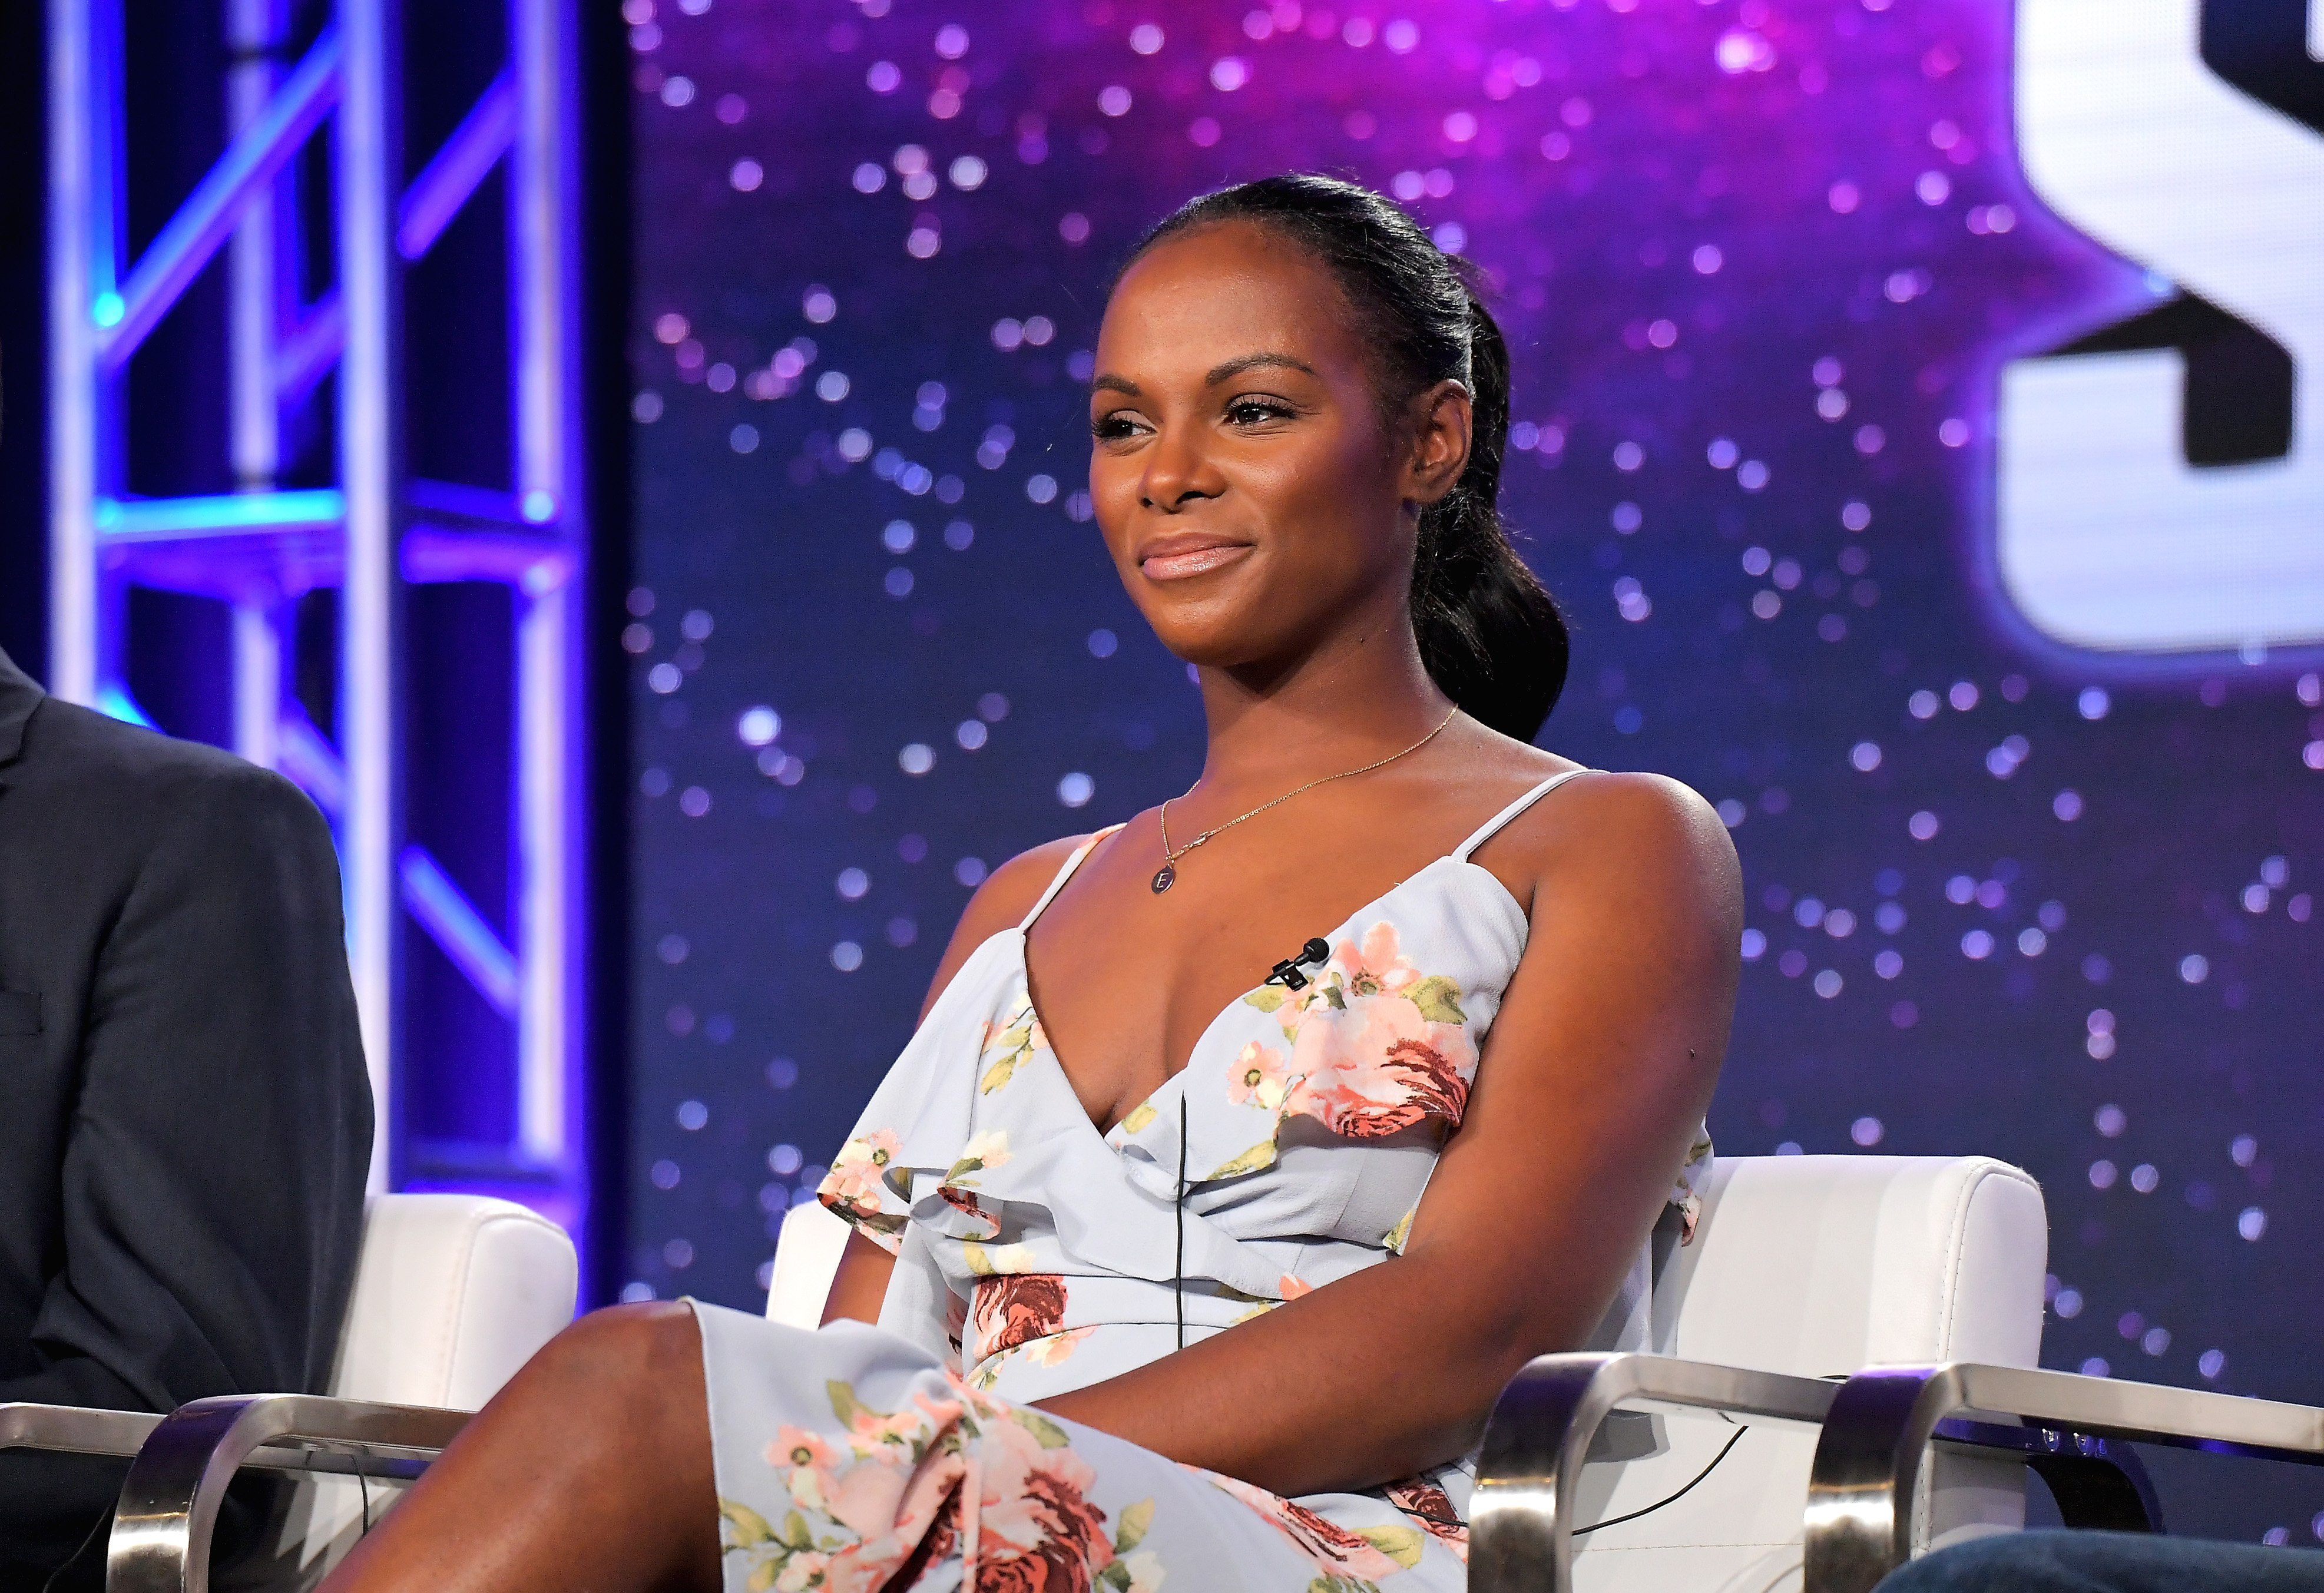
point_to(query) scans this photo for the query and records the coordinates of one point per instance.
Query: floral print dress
(1034, 1255)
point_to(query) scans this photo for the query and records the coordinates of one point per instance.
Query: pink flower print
(1257, 1074)
(1429, 1508)
(1379, 1067)
(1330, 1545)
(853, 1187)
(965, 1201)
(1037, 1532)
(1375, 967)
(809, 1465)
(1014, 1308)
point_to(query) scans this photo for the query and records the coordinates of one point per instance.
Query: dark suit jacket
(185, 1121)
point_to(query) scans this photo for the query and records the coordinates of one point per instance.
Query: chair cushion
(453, 1293)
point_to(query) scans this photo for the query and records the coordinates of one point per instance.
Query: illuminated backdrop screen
(1907, 415)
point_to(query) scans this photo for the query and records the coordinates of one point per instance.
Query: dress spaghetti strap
(1067, 872)
(1492, 826)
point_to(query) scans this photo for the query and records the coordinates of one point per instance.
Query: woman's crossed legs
(591, 1469)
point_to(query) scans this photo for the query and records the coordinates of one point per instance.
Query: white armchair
(1810, 1268)
(1803, 1270)
(452, 1295)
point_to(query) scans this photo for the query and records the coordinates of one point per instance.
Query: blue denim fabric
(2109, 1562)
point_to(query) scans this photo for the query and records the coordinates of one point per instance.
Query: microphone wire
(1178, 1267)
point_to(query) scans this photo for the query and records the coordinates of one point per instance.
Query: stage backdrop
(1918, 410)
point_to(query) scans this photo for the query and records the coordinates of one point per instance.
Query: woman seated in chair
(1246, 1149)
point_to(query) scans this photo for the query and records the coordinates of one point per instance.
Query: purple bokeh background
(1759, 264)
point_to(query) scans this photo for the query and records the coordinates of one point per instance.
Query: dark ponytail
(1489, 632)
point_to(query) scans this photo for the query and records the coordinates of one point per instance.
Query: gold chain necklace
(1167, 875)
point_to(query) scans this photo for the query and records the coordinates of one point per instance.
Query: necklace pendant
(1165, 877)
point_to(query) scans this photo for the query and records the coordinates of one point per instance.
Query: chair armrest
(75, 1430)
(1539, 1434)
(169, 1504)
(1871, 1455)
(87, 1430)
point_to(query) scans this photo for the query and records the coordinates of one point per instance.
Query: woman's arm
(1007, 894)
(1594, 1079)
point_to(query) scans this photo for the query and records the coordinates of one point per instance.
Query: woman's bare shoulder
(1001, 903)
(1010, 891)
(1636, 835)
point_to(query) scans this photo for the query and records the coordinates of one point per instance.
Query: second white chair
(1813, 1265)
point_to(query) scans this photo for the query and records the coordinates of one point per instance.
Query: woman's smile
(1181, 554)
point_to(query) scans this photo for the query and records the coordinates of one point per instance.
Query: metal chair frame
(1877, 1429)
(1877, 1432)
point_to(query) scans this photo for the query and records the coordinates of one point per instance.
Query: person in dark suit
(185, 1118)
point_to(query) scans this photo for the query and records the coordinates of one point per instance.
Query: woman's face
(1254, 499)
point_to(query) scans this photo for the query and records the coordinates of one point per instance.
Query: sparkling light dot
(1923, 825)
(1146, 39)
(1075, 789)
(759, 725)
(692, 1115)
(915, 759)
(746, 175)
(2093, 703)
(2194, 968)
(2251, 1222)
(1866, 1132)
(1229, 73)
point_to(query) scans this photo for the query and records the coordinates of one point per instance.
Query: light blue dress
(1035, 1255)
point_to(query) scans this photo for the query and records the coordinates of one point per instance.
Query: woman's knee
(623, 1353)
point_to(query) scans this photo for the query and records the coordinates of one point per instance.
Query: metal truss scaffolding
(376, 529)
